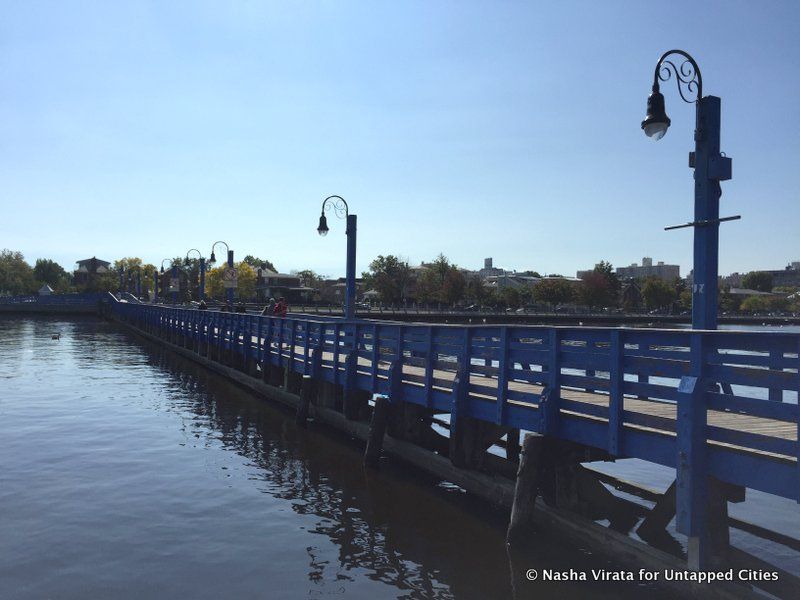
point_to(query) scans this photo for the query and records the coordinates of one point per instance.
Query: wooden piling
(377, 429)
(526, 488)
(306, 391)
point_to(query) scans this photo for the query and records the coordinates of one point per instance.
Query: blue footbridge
(718, 407)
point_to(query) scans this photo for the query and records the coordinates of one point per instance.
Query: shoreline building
(88, 269)
(648, 269)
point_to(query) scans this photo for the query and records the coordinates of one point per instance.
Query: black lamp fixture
(213, 259)
(323, 225)
(656, 122)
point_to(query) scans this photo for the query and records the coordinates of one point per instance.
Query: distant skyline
(474, 129)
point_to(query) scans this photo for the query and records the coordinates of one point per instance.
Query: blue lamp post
(173, 277)
(121, 279)
(139, 283)
(710, 167)
(213, 259)
(340, 208)
(155, 285)
(202, 288)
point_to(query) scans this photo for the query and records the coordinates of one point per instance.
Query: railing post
(549, 402)
(350, 405)
(797, 445)
(616, 374)
(691, 464)
(458, 416)
(775, 357)
(376, 351)
(502, 375)
(430, 365)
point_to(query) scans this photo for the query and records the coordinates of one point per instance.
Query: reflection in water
(130, 472)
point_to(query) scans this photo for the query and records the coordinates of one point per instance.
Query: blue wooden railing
(718, 403)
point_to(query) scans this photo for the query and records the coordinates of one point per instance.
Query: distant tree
(428, 287)
(758, 280)
(553, 292)
(16, 275)
(755, 304)
(258, 263)
(389, 276)
(606, 269)
(510, 297)
(475, 291)
(685, 299)
(595, 290)
(453, 286)
(246, 280)
(657, 293)
(442, 282)
(309, 278)
(49, 272)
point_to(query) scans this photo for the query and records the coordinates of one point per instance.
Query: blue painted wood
(616, 399)
(692, 470)
(551, 396)
(502, 378)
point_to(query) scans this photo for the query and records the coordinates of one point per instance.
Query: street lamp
(213, 260)
(710, 167)
(202, 288)
(340, 209)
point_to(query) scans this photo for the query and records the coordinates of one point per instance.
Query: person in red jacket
(281, 307)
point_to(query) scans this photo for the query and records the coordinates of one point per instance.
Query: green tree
(553, 292)
(510, 297)
(258, 263)
(657, 293)
(441, 281)
(475, 291)
(49, 272)
(246, 282)
(758, 280)
(755, 304)
(686, 299)
(16, 275)
(390, 276)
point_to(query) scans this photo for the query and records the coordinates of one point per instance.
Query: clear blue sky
(503, 129)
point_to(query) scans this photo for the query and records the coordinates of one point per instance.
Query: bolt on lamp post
(173, 277)
(213, 259)
(340, 208)
(202, 289)
(710, 167)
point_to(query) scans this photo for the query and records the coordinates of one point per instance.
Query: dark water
(128, 472)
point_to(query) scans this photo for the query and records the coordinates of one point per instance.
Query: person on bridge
(269, 309)
(281, 308)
